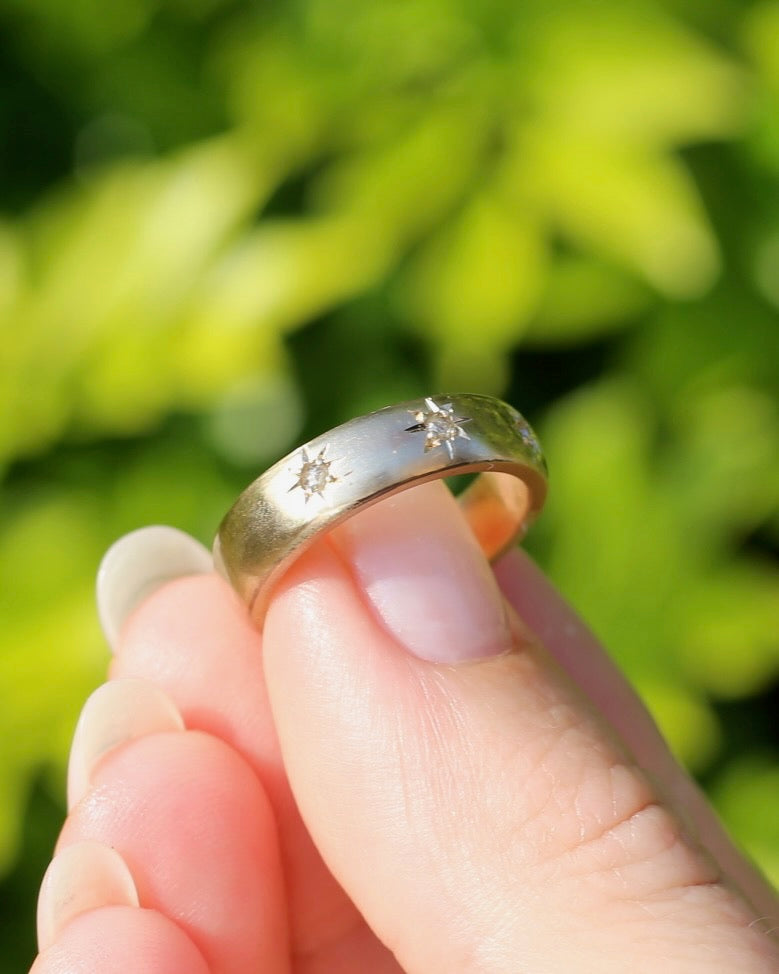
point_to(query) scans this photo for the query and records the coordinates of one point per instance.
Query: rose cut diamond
(440, 425)
(528, 437)
(314, 474)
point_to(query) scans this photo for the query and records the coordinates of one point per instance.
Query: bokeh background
(227, 226)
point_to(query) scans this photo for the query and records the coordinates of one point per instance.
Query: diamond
(440, 428)
(529, 438)
(313, 477)
(440, 425)
(314, 474)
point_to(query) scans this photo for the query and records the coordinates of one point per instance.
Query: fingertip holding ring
(117, 712)
(83, 876)
(137, 565)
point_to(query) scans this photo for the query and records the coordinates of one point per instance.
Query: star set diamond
(314, 474)
(529, 438)
(440, 424)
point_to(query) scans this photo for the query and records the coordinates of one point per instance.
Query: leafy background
(229, 225)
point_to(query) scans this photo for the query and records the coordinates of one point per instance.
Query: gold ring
(354, 465)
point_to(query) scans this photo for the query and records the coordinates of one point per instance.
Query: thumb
(473, 804)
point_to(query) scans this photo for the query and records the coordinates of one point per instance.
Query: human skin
(420, 765)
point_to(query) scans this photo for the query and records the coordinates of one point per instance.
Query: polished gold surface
(352, 466)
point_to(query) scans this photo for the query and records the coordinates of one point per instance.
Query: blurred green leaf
(586, 298)
(478, 283)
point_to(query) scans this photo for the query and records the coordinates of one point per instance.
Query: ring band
(354, 465)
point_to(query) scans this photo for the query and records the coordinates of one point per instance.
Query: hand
(420, 766)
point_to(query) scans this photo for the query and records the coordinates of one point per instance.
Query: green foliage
(228, 225)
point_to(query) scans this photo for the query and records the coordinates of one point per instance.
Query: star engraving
(440, 425)
(314, 474)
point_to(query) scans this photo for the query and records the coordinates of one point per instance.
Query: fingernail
(138, 564)
(84, 876)
(115, 713)
(423, 572)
